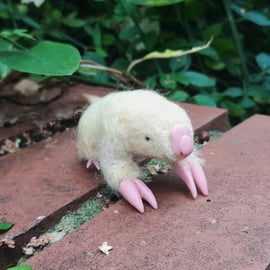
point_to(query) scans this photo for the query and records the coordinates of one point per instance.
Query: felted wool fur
(125, 124)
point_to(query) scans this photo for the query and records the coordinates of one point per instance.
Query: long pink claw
(134, 190)
(193, 175)
(182, 142)
(94, 162)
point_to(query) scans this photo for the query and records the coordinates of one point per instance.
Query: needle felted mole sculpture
(118, 127)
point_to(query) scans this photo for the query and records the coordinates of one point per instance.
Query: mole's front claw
(134, 190)
(94, 162)
(193, 175)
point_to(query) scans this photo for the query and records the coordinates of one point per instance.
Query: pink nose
(182, 142)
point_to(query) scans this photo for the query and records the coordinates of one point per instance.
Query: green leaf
(150, 40)
(129, 33)
(16, 32)
(72, 21)
(212, 30)
(246, 103)
(108, 39)
(257, 91)
(31, 22)
(234, 109)
(46, 58)
(252, 16)
(233, 92)
(179, 63)
(4, 45)
(181, 78)
(120, 64)
(179, 95)
(151, 82)
(21, 267)
(89, 55)
(263, 61)
(223, 45)
(4, 226)
(256, 78)
(198, 79)
(4, 70)
(155, 3)
(215, 65)
(204, 100)
(210, 52)
(257, 18)
(167, 81)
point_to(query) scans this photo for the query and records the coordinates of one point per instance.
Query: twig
(120, 75)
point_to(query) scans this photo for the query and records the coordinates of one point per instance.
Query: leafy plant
(46, 58)
(121, 40)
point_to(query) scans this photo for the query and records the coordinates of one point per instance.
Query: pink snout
(182, 141)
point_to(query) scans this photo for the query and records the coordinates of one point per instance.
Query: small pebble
(203, 136)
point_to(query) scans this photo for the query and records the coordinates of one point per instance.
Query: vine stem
(227, 4)
(123, 77)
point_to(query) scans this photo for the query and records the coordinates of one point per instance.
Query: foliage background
(233, 73)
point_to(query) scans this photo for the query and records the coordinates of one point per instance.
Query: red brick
(46, 179)
(202, 114)
(227, 230)
(41, 179)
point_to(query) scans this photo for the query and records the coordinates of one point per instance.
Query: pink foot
(193, 175)
(94, 162)
(134, 190)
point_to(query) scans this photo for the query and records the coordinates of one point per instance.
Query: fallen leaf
(43, 240)
(99, 195)
(105, 248)
(8, 146)
(27, 87)
(143, 243)
(9, 242)
(28, 251)
(21, 267)
(4, 226)
(245, 229)
(36, 243)
(153, 169)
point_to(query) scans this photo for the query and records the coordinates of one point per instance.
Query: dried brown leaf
(27, 87)
(105, 248)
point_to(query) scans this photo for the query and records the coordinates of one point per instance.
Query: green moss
(85, 212)
(88, 210)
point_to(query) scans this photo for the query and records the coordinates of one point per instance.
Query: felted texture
(118, 127)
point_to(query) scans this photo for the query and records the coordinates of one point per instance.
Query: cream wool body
(125, 124)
